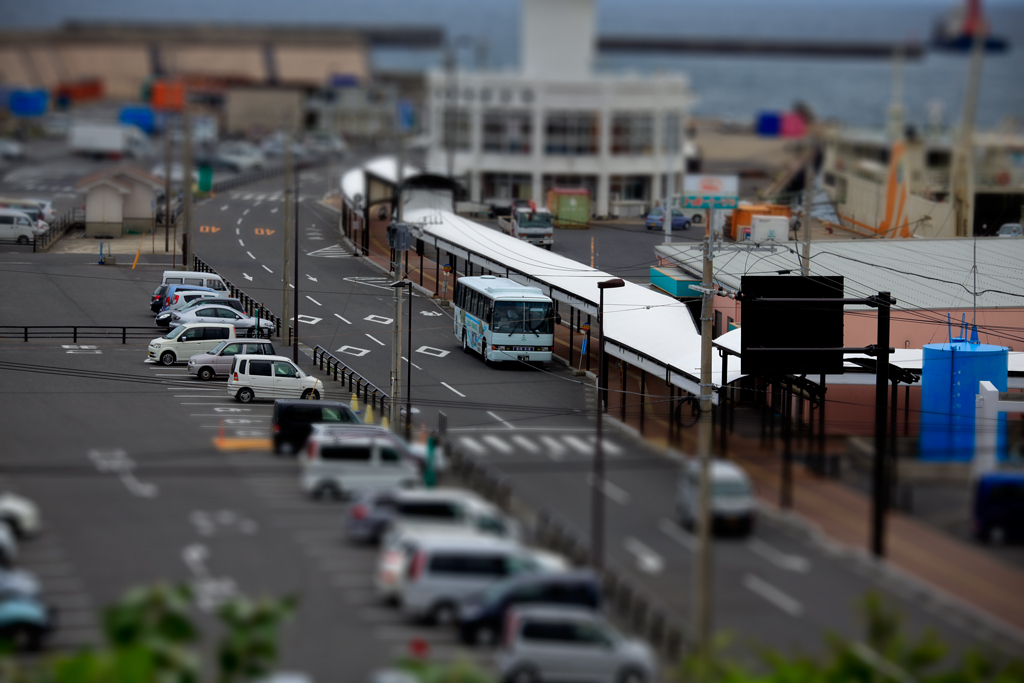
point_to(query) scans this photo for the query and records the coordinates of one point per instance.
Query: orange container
(743, 216)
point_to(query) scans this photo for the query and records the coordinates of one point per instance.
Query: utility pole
(167, 189)
(295, 292)
(702, 576)
(962, 172)
(449, 129)
(187, 182)
(667, 224)
(805, 260)
(285, 318)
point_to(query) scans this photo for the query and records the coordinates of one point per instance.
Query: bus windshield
(511, 317)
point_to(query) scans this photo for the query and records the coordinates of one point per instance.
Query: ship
(956, 31)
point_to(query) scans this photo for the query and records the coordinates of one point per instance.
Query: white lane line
(237, 231)
(555, 450)
(452, 388)
(170, 374)
(773, 595)
(241, 242)
(608, 446)
(376, 340)
(239, 221)
(244, 212)
(525, 443)
(581, 446)
(473, 445)
(267, 269)
(672, 530)
(196, 396)
(507, 424)
(646, 559)
(498, 444)
(179, 387)
(413, 364)
(314, 300)
(250, 255)
(224, 208)
(793, 563)
(274, 210)
(611, 491)
(342, 319)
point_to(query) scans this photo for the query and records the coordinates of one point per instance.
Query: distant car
(183, 297)
(177, 173)
(163, 319)
(323, 143)
(340, 461)
(19, 582)
(293, 421)
(8, 546)
(244, 324)
(186, 341)
(1011, 230)
(656, 219)
(169, 291)
(546, 643)
(49, 214)
(269, 377)
(733, 506)
(217, 362)
(10, 149)
(239, 156)
(25, 622)
(482, 615)
(20, 513)
(369, 515)
(273, 146)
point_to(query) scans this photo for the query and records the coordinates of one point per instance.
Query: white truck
(113, 140)
(530, 224)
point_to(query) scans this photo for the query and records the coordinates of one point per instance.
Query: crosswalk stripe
(472, 445)
(525, 443)
(556, 451)
(498, 444)
(335, 251)
(609, 447)
(578, 444)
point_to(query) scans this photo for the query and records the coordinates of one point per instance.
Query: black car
(293, 420)
(482, 616)
(158, 298)
(164, 319)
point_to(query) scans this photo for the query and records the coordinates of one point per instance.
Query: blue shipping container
(769, 123)
(28, 102)
(142, 117)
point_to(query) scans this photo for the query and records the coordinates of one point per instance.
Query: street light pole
(597, 478)
(295, 307)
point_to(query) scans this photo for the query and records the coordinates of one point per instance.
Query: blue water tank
(769, 124)
(139, 115)
(949, 383)
(28, 102)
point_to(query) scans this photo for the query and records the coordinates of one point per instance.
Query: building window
(632, 134)
(571, 134)
(456, 129)
(671, 139)
(507, 186)
(629, 187)
(486, 95)
(527, 96)
(717, 331)
(508, 132)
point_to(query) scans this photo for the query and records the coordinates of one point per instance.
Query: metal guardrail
(250, 304)
(76, 332)
(361, 387)
(635, 608)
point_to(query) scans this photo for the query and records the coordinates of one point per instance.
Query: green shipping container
(570, 207)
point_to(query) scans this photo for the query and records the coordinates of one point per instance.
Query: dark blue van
(999, 504)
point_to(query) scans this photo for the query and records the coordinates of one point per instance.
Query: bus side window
(472, 303)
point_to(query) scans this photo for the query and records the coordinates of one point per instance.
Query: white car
(9, 149)
(216, 313)
(733, 504)
(185, 341)
(258, 377)
(240, 156)
(177, 173)
(20, 513)
(563, 643)
(46, 206)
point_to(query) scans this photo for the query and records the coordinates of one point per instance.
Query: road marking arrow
(247, 276)
(646, 559)
(311, 277)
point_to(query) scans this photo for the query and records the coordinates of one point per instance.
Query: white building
(556, 123)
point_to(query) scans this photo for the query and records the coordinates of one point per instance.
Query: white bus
(503, 320)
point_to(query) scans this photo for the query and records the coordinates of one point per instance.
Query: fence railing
(357, 384)
(76, 332)
(251, 305)
(262, 174)
(633, 607)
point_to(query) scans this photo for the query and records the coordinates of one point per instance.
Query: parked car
(188, 340)
(49, 214)
(340, 461)
(733, 506)
(482, 615)
(273, 146)
(25, 622)
(246, 325)
(999, 505)
(20, 513)
(445, 569)
(323, 143)
(189, 277)
(1011, 230)
(217, 362)
(177, 173)
(30, 208)
(183, 297)
(369, 515)
(19, 582)
(270, 377)
(169, 291)
(545, 643)
(239, 156)
(453, 508)
(15, 226)
(656, 219)
(163, 319)
(293, 421)
(8, 546)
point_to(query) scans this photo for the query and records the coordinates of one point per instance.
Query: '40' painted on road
(208, 228)
(264, 231)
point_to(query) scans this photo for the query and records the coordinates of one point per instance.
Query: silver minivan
(188, 340)
(217, 361)
(341, 460)
(733, 504)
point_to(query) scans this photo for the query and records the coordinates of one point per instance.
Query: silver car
(216, 313)
(570, 644)
(217, 362)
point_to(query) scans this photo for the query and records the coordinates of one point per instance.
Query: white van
(195, 278)
(342, 460)
(733, 506)
(269, 377)
(185, 341)
(15, 226)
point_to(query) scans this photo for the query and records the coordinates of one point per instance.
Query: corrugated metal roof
(919, 273)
